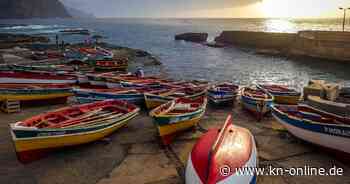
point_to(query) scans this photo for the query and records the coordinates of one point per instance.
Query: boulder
(192, 37)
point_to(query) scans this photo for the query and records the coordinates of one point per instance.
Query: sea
(191, 61)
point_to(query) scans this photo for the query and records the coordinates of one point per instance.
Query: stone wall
(327, 45)
(319, 44)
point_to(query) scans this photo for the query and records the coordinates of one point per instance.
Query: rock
(192, 37)
(20, 9)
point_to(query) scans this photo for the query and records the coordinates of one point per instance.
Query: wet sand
(134, 154)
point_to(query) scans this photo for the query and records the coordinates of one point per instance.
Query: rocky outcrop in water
(192, 37)
(318, 44)
(19, 9)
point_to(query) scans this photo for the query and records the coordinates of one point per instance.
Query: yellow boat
(33, 92)
(34, 137)
(178, 115)
(158, 98)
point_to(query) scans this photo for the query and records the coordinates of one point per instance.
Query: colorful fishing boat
(339, 108)
(256, 101)
(281, 94)
(177, 116)
(69, 126)
(111, 65)
(158, 98)
(313, 127)
(131, 95)
(25, 77)
(34, 92)
(220, 153)
(223, 93)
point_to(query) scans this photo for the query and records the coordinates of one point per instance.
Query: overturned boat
(222, 156)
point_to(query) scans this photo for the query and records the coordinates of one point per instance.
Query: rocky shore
(329, 45)
(18, 48)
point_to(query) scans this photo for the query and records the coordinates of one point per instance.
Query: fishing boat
(256, 101)
(130, 80)
(338, 107)
(33, 92)
(25, 77)
(157, 98)
(312, 127)
(220, 153)
(69, 126)
(223, 93)
(111, 65)
(177, 115)
(90, 95)
(281, 94)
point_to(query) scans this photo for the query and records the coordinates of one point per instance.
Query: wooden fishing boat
(321, 130)
(111, 65)
(220, 153)
(158, 98)
(223, 93)
(339, 108)
(256, 101)
(25, 77)
(178, 115)
(281, 94)
(33, 92)
(306, 108)
(68, 127)
(131, 95)
(131, 81)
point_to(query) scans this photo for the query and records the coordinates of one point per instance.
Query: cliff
(19, 9)
(319, 44)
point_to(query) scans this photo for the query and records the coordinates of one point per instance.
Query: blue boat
(256, 101)
(223, 93)
(91, 95)
(319, 129)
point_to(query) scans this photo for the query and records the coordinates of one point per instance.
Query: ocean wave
(32, 27)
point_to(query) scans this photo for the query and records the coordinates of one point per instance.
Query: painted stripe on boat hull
(317, 134)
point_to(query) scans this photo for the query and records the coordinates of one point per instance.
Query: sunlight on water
(280, 25)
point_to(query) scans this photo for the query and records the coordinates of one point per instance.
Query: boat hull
(257, 107)
(88, 96)
(231, 148)
(153, 101)
(290, 100)
(29, 144)
(335, 137)
(35, 81)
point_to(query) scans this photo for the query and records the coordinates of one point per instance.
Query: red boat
(220, 153)
(25, 77)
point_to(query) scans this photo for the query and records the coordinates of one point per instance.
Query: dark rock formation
(192, 37)
(19, 9)
(11, 40)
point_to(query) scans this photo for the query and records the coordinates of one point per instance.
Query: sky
(211, 8)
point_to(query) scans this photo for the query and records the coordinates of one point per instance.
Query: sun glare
(300, 8)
